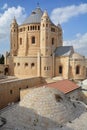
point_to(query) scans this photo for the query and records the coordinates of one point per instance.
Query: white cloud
(79, 44)
(78, 35)
(6, 19)
(5, 6)
(65, 13)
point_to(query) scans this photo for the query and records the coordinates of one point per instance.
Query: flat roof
(64, 86)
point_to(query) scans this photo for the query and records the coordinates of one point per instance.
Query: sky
(71, 14)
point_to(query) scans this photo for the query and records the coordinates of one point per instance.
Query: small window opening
(11, 92)
(32, 65)
(33, 40)
(60, 69)
(77, 70)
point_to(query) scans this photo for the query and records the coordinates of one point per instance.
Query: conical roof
(35, 16)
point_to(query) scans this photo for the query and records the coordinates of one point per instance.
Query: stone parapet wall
(10, 90)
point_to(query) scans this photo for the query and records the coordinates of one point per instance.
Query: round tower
(45, 46)
(14, 37)
(45, 35)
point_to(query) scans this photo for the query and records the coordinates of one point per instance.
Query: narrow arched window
(52, 41)
(20, 41)
(33, 27)
(26, 64)
(60, 69)
(32, 65)
(77, 69)
(33, 40)
(30, 27)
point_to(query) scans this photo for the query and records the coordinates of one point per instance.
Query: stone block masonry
(10, 89)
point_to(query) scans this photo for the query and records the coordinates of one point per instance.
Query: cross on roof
(38, 5)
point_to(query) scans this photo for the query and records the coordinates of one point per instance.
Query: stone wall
(64, 63)
(82, 69)
(10, 90)
(1, 70)
(74, 95)
(25, 66)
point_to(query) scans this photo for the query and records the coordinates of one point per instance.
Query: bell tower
(45, 35)
(14, 37)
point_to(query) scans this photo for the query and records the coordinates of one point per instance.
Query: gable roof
(64, 86)
(76, 55)
(63, 50)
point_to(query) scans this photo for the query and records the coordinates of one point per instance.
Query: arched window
(43, 25)
(33, 27)
(46, 25)
(20, 41)
(33, 40)
(60, 69)
(18, 64)
(52, 41)
(32, 65)
(11, 92)
(30, 27)
(26, 64)
(77, 69)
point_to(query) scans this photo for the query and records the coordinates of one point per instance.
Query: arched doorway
(60, 69)
(6, 71)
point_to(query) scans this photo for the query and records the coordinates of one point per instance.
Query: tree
(2, 59)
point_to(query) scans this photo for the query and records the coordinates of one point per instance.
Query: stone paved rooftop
(44, 109)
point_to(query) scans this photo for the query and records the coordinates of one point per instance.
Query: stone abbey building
(37, 50)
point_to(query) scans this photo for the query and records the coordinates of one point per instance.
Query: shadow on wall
(27, 119)
(83, 96)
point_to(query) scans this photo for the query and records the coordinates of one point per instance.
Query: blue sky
(72, 14)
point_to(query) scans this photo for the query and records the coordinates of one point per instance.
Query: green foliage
(2, 59)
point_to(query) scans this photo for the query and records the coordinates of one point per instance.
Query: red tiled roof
(64, 86)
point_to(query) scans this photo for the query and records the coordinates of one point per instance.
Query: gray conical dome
(35, 16)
